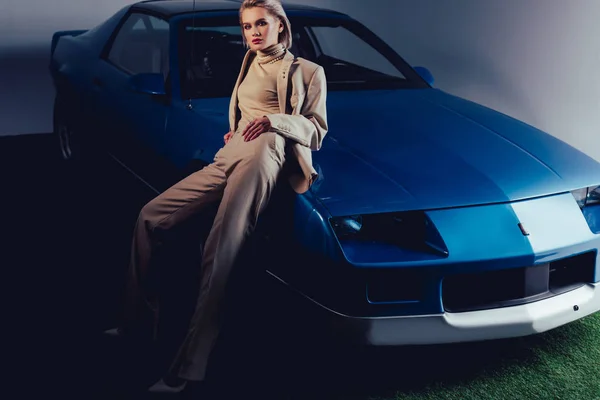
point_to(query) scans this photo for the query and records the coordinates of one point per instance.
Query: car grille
(395, 286)
(509, 287)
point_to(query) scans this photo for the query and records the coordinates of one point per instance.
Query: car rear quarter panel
(74, 55)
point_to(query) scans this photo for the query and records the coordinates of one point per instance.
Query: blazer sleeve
(310, 126)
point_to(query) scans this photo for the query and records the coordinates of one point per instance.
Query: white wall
(536, 60)
(32, 22)
(26, 27)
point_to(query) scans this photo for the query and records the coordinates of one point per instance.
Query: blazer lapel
(282, 81)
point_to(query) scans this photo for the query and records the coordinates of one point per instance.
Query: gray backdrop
(536, 60)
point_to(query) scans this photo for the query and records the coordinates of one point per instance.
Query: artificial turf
(560, 364)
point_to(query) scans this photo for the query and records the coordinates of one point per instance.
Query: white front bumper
(469, 326)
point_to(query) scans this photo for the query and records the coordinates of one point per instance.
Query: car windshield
(211, 52)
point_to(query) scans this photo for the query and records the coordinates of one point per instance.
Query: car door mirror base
(425, 74)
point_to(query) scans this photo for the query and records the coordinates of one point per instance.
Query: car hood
(425, 149)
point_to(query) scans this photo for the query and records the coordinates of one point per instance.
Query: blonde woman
(267, 129)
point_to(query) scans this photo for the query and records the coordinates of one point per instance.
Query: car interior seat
(215, 64)
(143, 57)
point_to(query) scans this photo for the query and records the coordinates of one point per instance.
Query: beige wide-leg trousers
(242, 177)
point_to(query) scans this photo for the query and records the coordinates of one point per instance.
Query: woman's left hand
(255, 128)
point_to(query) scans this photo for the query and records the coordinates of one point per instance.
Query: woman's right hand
(227, 136)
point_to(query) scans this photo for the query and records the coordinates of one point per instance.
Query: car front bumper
(470, 326)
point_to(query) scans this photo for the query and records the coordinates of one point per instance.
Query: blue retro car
(433, 220)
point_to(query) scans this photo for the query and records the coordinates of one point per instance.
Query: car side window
(141, 45)
(349, 56)
(210, 58)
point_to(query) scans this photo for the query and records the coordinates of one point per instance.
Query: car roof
(168, 8)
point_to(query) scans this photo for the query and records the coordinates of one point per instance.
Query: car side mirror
(425, 74)
(148, 83)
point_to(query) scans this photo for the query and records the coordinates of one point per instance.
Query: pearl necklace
(266, 58)
(272, 53)
(275, 59)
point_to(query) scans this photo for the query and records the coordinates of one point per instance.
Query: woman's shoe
(113, 333)
(162, 387)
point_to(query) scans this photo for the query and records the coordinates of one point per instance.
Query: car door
(133, 123)
(208, 58)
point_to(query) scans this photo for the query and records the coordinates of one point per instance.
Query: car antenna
(189, 105)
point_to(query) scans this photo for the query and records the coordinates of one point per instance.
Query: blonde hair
(274, 8)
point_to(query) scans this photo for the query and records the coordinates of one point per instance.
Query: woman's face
(261, 29)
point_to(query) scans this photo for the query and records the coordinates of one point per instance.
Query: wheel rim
(65, 138)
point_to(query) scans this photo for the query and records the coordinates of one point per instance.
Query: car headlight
(345, 227)
(410, 230)
(587, 196)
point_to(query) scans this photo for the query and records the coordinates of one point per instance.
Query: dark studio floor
(65, 243)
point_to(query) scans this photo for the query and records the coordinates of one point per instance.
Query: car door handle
(97, 82)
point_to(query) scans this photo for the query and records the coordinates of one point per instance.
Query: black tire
(63, 129)
(69, 137)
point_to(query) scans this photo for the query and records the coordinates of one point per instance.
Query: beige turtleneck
(257, 94)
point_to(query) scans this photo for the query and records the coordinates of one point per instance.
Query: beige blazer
(302, 118)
